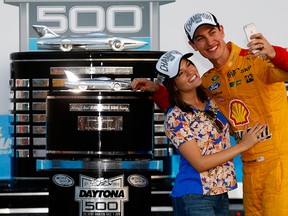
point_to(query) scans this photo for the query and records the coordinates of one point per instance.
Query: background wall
(9, 39)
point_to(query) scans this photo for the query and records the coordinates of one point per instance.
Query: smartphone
(249, 30)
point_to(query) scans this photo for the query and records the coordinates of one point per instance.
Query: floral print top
(181, 127)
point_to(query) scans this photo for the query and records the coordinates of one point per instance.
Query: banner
(5, 147)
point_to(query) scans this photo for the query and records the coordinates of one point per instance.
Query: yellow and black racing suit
(247, 90)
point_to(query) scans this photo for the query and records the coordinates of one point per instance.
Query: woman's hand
(253, 135)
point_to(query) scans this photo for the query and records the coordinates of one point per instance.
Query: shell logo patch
(238, 113)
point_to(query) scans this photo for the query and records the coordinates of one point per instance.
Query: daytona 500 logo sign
(73, 18)
(101, 197)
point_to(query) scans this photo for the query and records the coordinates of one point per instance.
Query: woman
(201, 136)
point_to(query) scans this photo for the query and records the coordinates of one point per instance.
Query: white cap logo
(197, 20)
(169, 63)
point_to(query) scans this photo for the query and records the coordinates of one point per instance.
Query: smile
(192, 78)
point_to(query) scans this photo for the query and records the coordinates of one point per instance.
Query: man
(247, 85)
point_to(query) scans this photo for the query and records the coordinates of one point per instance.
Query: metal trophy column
(92, 133)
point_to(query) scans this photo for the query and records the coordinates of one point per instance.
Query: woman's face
(188, 78)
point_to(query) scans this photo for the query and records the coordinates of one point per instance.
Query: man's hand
(260, 43)
(144, 84)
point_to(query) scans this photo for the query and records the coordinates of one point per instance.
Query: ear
(221, 27)
(192, 45)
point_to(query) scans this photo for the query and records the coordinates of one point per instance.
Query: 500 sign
(101, 206)
(104, 18)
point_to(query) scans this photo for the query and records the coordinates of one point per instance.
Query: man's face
(209, 41)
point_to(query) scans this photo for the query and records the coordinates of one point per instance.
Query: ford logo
(138, 180)
(214, 86)
(63, 180)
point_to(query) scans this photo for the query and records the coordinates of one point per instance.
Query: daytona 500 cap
(169, 63)
(197, 20)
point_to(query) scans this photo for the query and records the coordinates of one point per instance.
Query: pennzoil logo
(266, 133)
(232, 73)
(238, 113)
(101, 196)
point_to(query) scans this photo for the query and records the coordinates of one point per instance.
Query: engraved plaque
(39, 153)
(22, 117)
(22, 141)
(22, 106)
(39, 117)
(58, 82)
(100, 123)
(93, 70)
(160, 140)
(22, 82)
(159, 128)
(93, 107)
(159, 117)
(22, 153)
(39, 94)
(163, 152)
(39, 106)
(39, 141)
(39, 129)
(40, 82)
(22, 129)
(22, 94)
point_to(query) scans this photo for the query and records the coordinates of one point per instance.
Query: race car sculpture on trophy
(49, 40)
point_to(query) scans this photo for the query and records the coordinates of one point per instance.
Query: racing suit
(249, 89)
